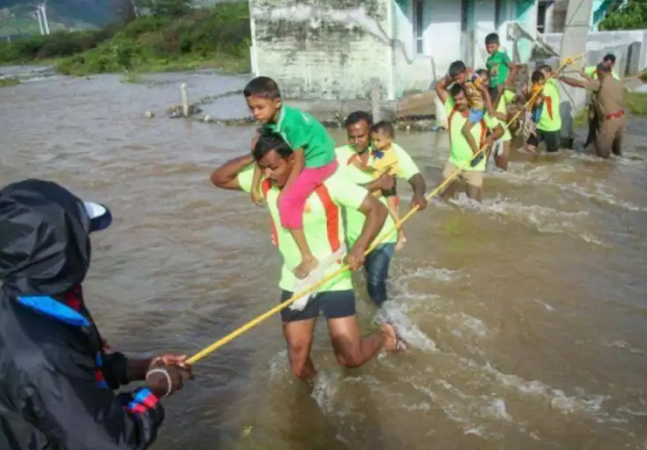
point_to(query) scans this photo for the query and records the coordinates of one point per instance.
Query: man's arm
(408, 170)
(585, 75)
(512, 69)
(441, 89)
(419, 188)
(593, 85)
(497, 132)
(376, 214)
(226, 176)
(489, 108)
(353, 197)
(383, 182)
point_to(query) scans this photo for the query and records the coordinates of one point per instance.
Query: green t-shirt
(592, 71)
(550, 119)
(497, 67)
(354, 219)
(502, 107)
(322, 224)
(302, 131)
(460, 151)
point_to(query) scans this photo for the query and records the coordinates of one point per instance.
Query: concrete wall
(328, 49)
(331, 49)
(484, 17)
(616, 42)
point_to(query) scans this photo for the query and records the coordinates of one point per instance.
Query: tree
(125, 10)
(168, 8)
(632, 16)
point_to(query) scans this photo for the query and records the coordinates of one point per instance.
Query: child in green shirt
(500, 68)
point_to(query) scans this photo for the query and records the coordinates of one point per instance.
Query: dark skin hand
(137, 368)
(375, 213)
(158, 382)
(418, 199)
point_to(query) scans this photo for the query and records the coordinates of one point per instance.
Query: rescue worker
(610, 109)
(57, 380)
(591, 73)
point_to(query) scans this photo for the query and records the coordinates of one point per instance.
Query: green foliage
(17, 16)
(637, 102)
(58, 44)
(632, 16)
(9, 81)
(167, 8)
(214, 37)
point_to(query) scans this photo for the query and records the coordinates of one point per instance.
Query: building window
(418, 28)
(541, 17)
(497, 13)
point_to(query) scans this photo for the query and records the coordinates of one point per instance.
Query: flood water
(527, 316)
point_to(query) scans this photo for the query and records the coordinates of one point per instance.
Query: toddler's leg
(474, 118)
(392, 203)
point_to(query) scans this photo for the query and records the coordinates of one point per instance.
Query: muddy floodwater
(527, 315)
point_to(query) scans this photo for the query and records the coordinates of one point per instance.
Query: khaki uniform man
(610, 110)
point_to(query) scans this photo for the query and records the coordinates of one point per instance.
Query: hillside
(18, 16)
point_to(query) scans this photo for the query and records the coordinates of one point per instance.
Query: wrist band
(168, 379)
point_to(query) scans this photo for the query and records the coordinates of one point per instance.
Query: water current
(526, 314)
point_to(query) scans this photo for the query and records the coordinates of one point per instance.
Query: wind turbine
(41, 9)
(40, 21)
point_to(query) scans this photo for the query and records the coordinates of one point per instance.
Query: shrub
(151, 41)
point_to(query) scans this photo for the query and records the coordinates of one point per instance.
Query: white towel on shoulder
(318, 274)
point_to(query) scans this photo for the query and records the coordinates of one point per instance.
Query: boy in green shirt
(500, 68)
(314, 153)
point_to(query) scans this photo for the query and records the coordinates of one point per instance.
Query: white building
(315, 49)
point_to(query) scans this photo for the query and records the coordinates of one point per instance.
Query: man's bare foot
(401, 241)
(392, 342)
(390, 338)
(308, 264)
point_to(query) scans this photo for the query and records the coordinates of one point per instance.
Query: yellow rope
(252, 323)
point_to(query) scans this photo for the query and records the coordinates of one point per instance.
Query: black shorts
(494, 94)
(333, 304)
(390, 192)
(551, 138)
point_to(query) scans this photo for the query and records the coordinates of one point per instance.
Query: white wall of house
(315, 51)
(318, 52)
(442, 38)
(484, 15)
(616, 42)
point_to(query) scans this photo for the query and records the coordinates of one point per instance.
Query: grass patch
(216, 37)
(9, 81)
(581, 118)
(131, 77)
(637, 103)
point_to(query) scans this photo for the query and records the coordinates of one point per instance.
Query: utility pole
(576, 33)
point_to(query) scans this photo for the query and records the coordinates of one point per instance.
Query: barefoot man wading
(353, 158)
(609, 104)
(324, 229)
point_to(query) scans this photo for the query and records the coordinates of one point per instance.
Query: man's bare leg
(299, 336)
(501, 160)
(351, 349)
(449, 190)
(474, 193)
